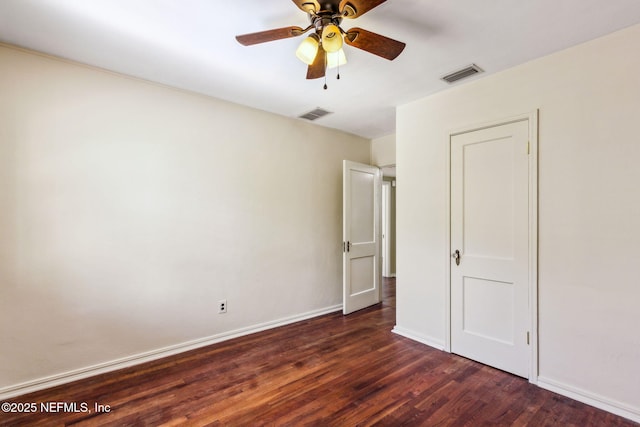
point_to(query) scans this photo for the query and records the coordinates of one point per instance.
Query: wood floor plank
(333, 370)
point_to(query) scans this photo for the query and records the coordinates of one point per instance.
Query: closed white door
(361, 234)
(489, 239)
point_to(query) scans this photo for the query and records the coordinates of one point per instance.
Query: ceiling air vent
(461, 74)
(315, 114)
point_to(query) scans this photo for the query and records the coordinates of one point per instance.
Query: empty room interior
(434, 212)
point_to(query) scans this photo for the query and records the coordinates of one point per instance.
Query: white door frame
(532, 118)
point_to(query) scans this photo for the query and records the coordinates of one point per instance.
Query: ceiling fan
(323, 48)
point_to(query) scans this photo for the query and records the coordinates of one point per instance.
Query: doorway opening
(388, 251)
(388, 221)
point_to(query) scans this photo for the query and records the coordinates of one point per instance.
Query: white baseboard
(593, 399)
(601, 402)
(136, 359)
(430, 341)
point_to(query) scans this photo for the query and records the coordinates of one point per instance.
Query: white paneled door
(361, 236)
(490, 249)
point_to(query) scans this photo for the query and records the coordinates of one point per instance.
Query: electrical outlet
(222, 306)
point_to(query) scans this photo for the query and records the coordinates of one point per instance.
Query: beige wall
(383, 150)
(128, 210)
(589, 211)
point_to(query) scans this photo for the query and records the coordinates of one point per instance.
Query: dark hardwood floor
(328, 371)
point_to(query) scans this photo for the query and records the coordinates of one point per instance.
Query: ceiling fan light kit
(336, 59)
(308, 49)
(323, 49)
(331, 38)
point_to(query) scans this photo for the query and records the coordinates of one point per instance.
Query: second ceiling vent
(314, 114)
(469, 71)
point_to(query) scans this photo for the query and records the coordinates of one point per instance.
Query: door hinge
(346, 246)
(527, 337)
(528, 147)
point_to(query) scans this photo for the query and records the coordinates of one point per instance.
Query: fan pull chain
(325, 71)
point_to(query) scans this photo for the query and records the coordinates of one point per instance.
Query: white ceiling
(190, 44)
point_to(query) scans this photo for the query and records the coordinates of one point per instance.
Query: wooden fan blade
(355, 8)
(269, 35)
(318, 68)
(309, 6)
(374, 43)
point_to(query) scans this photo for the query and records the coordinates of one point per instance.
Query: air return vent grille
(315, 114)
(463, 73)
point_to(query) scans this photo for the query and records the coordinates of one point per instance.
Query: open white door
(361, 236)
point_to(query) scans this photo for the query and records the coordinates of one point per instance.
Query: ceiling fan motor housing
(320, 21)
(333, 7)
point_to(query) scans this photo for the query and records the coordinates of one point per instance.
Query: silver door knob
(456, 256)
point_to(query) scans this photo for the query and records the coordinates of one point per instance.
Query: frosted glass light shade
(308, 50)
(335, 59)
(331, 38)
